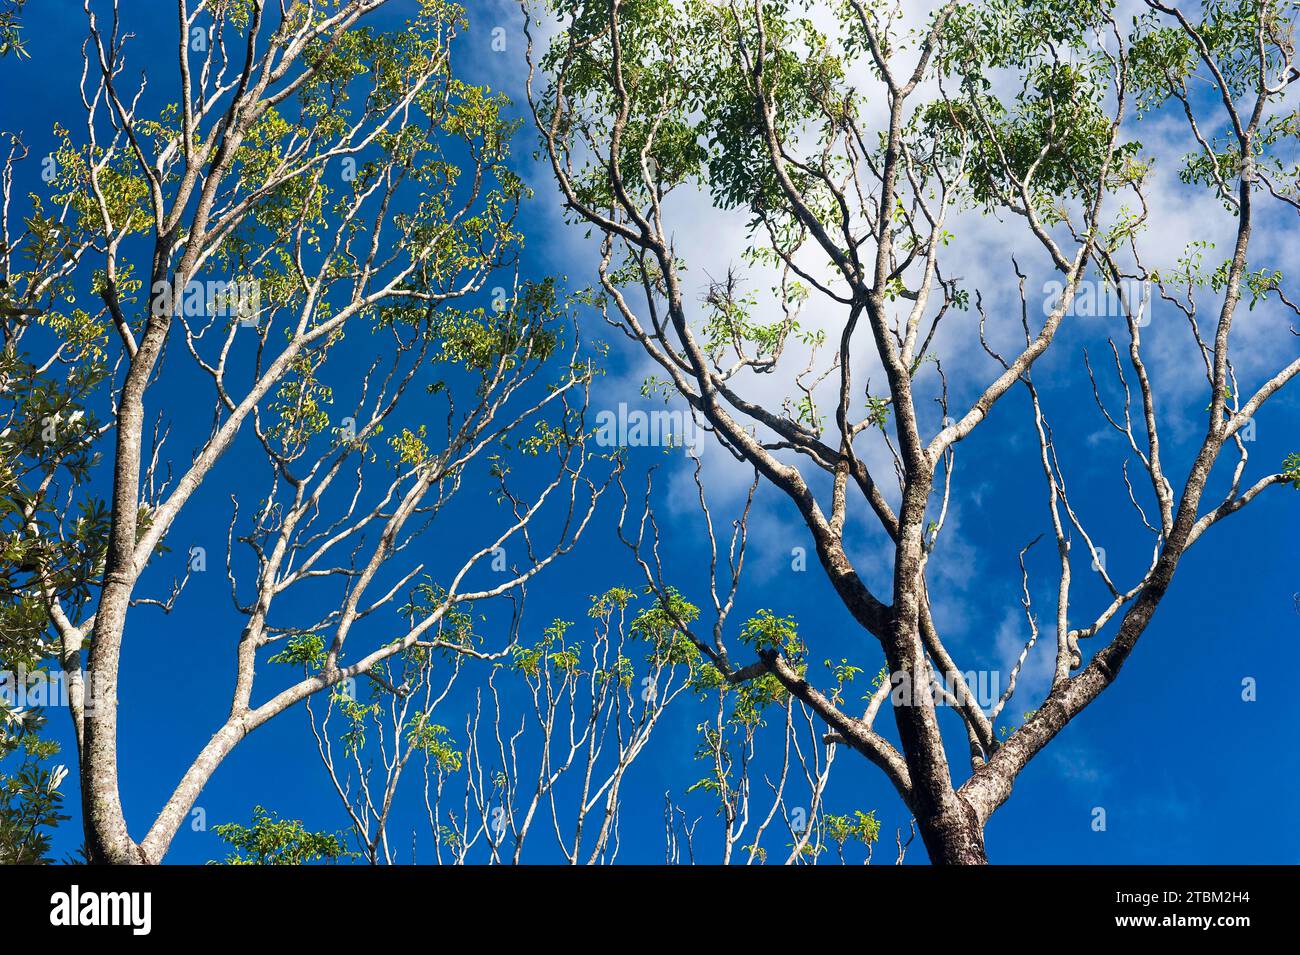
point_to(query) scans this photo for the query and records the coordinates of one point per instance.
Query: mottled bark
(856, 212)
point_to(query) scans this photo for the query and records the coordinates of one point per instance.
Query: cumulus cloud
(711, 241)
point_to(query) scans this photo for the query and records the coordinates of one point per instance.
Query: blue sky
(1186, 770)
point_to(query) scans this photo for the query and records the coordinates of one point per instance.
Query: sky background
(1185, 769)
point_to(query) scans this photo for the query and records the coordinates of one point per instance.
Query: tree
(314, 181)
(588, 711)
(274, 841)
(49, 365)
(861, 142)
(31, 801)
(11, 40)
(736, 739)
(557, 753)
(52, 363)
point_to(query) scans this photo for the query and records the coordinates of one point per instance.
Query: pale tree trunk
(107, 837)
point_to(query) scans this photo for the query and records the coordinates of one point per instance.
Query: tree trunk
(107, 838)
(955, 838)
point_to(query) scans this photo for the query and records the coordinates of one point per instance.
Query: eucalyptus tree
(592, 699)
(549, 742)
(544, 753)
(783, 816)
(863, 140)
(302, 260)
